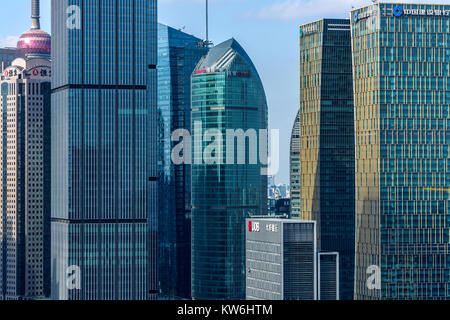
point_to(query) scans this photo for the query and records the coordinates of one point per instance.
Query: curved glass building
(227, 93)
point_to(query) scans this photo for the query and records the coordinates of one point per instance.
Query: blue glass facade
(401, 67)
(327, 147)
(178, 54)
(7, 55)
(104, 150)
(227, 93)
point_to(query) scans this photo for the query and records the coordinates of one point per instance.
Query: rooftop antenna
(207, 43)
(35, 15)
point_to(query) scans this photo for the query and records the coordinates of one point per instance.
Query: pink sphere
(35, 42)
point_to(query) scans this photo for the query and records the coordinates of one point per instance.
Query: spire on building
(35, 42)
(35, 10)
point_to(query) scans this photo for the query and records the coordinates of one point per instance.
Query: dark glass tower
(327, 147)
(401, 60)
(104, 150)
(178, 55)
(227, 93)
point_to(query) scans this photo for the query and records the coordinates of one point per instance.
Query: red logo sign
(35, 72)
(198, 71)
(6, 73)
(250, 226)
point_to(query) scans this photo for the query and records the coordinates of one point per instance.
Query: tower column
(35, 15)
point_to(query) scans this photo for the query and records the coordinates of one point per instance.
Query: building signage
(41, 72)
(271, 227)
(253, 227)
(358, 16)
(309, 29)
(9, 74)
(198, 71)
(239, 74)
(398, 11)
(35, 72)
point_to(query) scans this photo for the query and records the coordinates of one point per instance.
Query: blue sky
(267, 29)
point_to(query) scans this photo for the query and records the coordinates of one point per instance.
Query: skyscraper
(178, 55)
(327, 141)
(25, 170)
(402, 95)
(294, 168)
(104, 150)
(227, 94)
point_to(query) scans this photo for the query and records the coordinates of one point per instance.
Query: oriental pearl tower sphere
(35, 43)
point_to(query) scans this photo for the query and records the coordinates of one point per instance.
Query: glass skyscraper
(327, 148)
(104, 150)
(294, 168)
(401, 67)
(178, 55)
(227, 93)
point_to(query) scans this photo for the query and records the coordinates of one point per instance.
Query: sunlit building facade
(104, 151)
(327, 193)
(402, 96)
(25, 148)
(25, 183)
(227, 93)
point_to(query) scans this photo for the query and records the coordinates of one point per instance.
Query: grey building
(283, 263)
(104, 149)
(281, 259)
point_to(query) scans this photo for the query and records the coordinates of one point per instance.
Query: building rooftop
(220, 56)
(283, 220)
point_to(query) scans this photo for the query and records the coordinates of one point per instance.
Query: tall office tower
(294, 168)
(402, 95)
(25, 170)
(7, 56)
(227, 94)
(178, 55)
(327, 141)
(104, 150)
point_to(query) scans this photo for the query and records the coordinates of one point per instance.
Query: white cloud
(9, 41)
(310, 9)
